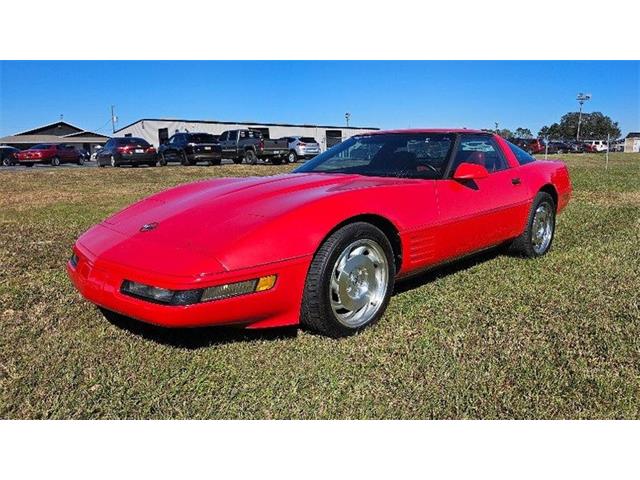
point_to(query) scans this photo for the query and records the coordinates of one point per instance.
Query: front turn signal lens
(265, 283)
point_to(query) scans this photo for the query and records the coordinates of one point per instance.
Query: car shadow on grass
(203, 337)
(195, 338)
(428, 276)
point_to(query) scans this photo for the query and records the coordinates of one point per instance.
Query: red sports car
(51, 153)
(321, 246)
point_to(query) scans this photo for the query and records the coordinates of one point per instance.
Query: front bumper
(100, 282)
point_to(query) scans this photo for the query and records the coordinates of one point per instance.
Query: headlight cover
(190, 297)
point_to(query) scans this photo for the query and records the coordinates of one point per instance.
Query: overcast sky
(377, 94)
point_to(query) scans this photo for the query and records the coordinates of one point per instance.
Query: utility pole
(582, 97)
(496, 124)
(347, 116)
(113, 120)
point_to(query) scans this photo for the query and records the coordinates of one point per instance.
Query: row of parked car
(241, 145)
(538, 145)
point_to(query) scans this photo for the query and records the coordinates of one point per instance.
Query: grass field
(491, 337)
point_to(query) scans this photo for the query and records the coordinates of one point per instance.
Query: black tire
(523, 245)
(250, 157)
(6, 162)
(292, 157)
(55, 162)
(316, 311)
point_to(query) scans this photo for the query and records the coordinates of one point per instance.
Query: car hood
(205, 218)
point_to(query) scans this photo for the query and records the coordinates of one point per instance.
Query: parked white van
(598, 145)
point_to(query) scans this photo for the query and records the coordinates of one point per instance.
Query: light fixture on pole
(347, 117)
(582, 97)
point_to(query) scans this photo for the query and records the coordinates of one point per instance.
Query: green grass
(492, 337)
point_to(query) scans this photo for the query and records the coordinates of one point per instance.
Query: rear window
(522, 156)
(201, 138)
(133, 141)
(308, 140)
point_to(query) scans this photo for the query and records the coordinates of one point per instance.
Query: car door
(477, 214)
(222, 140)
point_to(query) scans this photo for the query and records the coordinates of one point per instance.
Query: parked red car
(321, 246)
(531, 145)
(51, 153)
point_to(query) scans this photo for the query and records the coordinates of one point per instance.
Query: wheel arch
(384, 224)
(551, 190)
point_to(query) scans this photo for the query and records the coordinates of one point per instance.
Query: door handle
(516, 181)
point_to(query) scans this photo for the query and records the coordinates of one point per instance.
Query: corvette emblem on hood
(149, 226)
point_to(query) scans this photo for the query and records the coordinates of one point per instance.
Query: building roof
(85, 133)
(35, 139)
(34, 131)
(633, 135)
(220, 122)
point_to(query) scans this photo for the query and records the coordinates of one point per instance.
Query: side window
(233, 135)
(223, 136)
(243, 134)
(522, 156)
(480, 149)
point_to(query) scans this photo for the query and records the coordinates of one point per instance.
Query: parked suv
(249, 145)
(302, 147)
(555, 146)
(190, 148)
(531, 145)
(8, 155)
(51, 153)
(127, 151)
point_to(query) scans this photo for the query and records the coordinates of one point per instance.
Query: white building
(157, 130)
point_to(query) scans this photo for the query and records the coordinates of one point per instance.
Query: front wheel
(349, 282)
(6, 162)
(537, 237)
(80, 161)
(55, 162)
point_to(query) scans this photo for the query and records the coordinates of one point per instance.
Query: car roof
(429, 130)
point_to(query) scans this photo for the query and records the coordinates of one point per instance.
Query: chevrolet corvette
(321, 246)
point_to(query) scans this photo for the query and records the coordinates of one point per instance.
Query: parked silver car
(302, 147)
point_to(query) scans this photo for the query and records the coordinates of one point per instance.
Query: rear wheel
(81, 161)
(250, 157)
(292, 157)
(350, 281)
(55, 162)
(537, 237)
(6, 162)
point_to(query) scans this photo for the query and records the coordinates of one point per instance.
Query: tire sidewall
(337, 242)
(55, 162)
(541, 197)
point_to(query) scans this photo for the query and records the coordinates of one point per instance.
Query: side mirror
(470, 171)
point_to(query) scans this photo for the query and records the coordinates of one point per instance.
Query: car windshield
(42, 146)
(408, 155)
(201, 138)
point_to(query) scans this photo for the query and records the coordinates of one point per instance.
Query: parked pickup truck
(249, 145)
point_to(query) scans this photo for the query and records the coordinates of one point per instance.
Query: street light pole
(347, 116)
(582, 97)
(113, 120)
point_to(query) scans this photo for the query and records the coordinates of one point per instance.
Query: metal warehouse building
(157, 130)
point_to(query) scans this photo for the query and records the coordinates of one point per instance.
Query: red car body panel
(222, 231)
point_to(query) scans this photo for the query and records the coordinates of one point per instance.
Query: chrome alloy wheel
(542, 228)
(359, 282)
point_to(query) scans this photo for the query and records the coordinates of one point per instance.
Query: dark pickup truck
(250, 146)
